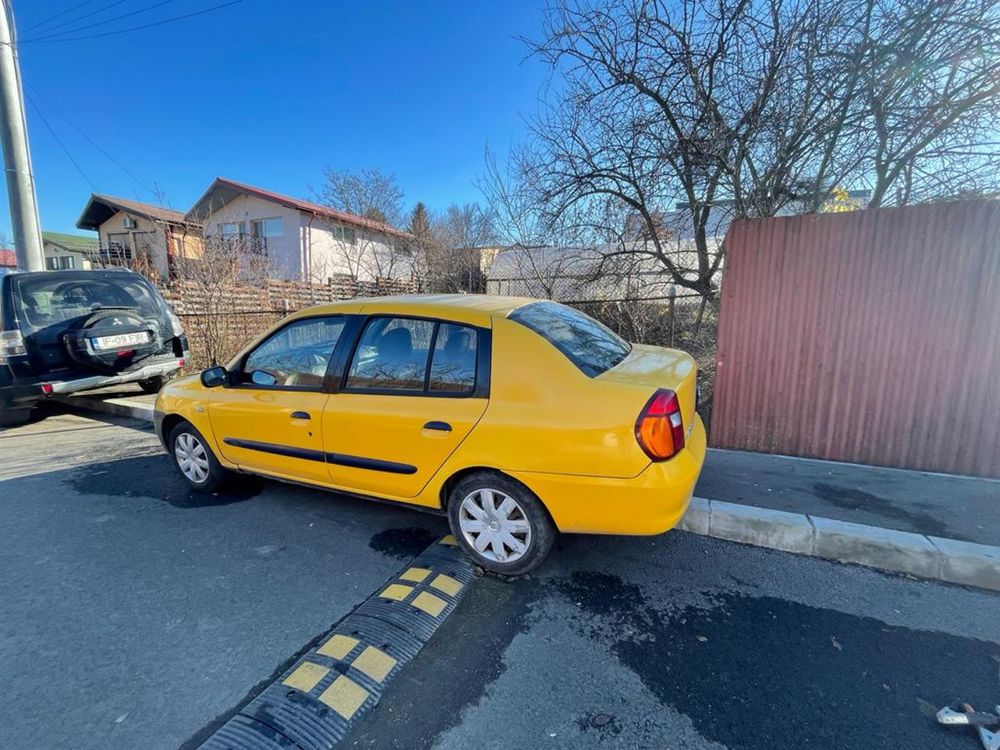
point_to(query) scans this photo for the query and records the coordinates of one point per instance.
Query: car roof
(474, 309)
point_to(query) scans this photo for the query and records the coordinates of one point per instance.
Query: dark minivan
(68, 331)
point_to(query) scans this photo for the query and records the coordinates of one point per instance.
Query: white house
(138, 234)
(68, 251)
(302, 240)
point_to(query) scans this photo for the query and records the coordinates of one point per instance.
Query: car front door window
(295, 356)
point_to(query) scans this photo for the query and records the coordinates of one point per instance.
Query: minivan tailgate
(656, 367)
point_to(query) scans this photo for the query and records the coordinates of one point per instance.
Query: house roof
(222, 191)
(100, 208)
(8, 259)
(72, 243)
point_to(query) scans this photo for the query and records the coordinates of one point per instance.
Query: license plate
(121, 341)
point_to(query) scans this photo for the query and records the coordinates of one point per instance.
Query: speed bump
(313, 704)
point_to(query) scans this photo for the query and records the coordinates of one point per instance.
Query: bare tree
(454, 250)
(230, 275)
(372, 249)
(687, 113)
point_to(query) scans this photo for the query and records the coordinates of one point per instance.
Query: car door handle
(301, 415)
(442, 426)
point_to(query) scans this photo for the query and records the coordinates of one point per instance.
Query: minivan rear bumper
(132, 376)
(21, 395)
(650, 503)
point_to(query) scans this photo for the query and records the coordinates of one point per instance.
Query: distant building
(68, 251)
(8, 261)
(301, 240)
(139, 235)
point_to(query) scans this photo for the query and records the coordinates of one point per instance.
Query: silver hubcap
(191, 457)
(495, 525)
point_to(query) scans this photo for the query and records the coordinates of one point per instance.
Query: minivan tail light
(11, 345)
(660, 427)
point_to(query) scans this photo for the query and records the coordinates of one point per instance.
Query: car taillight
(660, 427)
(176, 327)
(11, 345)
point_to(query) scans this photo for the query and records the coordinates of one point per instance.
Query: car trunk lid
(654, 367)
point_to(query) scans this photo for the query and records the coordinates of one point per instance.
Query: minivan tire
(524, 518)
(152, 385)
(201, 470)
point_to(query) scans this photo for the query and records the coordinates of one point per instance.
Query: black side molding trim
(355, 462)
(278, 450)
(359, 462)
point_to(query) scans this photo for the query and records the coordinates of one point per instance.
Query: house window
(344, 234)
(61, 263)
(233, 229)
(267, 227)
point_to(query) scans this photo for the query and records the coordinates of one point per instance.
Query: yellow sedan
(518, 418)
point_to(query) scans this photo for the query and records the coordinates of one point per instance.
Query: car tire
(500, 523)
(14, 417)
(195, 461)
(152, 385)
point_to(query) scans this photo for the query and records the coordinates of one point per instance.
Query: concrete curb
(886, 549)
(119, 407)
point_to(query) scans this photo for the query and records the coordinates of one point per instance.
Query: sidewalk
(943, 505)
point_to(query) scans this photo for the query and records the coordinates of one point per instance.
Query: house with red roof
(8, 262)
(302, 240)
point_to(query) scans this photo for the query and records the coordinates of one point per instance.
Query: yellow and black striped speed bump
(314, 704)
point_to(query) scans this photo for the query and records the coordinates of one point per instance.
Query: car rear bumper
(24, 395)
(153, 370)
(650, 503)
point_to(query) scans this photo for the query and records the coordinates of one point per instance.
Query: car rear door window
(453, 366)
(588, 344)
(392, 355)
(295, 356)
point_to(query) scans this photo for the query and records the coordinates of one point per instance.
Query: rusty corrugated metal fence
(871, 336)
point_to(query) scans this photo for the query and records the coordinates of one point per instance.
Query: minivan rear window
(587, 343)
(50, 299)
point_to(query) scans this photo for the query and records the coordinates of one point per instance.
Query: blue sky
(270, 91)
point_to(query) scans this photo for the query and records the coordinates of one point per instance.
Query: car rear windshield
(588, 344)
(47, 300)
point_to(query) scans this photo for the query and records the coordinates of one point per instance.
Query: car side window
(453, 366)
(295, 356)
(391, 355)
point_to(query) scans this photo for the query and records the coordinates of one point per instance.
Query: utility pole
(16, 156)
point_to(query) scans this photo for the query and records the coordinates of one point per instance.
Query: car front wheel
(195, 460)
(500, 523)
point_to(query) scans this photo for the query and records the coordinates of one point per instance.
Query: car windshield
(587, 343)
(52, 299)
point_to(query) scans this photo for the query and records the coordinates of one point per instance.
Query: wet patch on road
(754, 672)
(851, 498)
(155, 477)
(403, 544)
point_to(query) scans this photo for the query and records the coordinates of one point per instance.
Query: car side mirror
(213, 377)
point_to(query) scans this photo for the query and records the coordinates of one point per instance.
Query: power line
(62, 145)
(135, 28)
(81, 17)
(102, 22)
(60, 14)
(90, 140)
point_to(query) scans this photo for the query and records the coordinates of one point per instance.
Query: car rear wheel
(195, 460)
(500, 523)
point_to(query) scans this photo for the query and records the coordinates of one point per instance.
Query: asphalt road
(136, 614)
